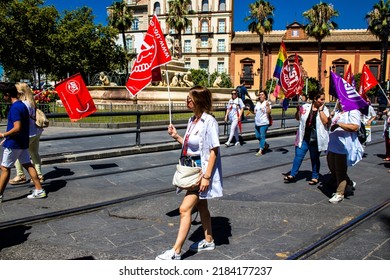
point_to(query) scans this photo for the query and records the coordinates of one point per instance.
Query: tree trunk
(384, 49)
(125, 48)
(319, 74)
(261, 62)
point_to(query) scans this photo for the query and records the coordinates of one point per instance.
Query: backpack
(361, 133)
(239, 93)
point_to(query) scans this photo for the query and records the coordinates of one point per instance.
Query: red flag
(154, 53)
(367, 81)
(291, 78)
(348, 75)
(75, 97)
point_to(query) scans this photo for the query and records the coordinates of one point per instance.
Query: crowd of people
(319, 130)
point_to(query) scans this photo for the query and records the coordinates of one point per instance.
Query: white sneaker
(237, 143)
(169, 255)
(227, 144)
(202, 246)
(37, 194)
(336, 198)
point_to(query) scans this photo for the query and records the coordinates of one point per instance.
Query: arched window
(205, 26)
(222, 5)
(189, 7)
(157, 8)
(205, 5)
(135, 25)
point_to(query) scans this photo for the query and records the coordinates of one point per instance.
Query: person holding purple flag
(344, 148)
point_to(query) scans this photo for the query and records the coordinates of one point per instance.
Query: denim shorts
(11, 155)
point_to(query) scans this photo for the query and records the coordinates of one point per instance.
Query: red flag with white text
(75, 97)
(291, 78)
(367, 81)
(154, 53)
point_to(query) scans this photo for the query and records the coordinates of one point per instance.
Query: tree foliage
(36, 40)
(319, 26)
(121, 17)
(378, 25)
(200, 77)
(177, 17)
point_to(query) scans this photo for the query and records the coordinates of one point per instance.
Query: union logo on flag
(75, 97)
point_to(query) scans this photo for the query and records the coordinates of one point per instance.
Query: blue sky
(351, 12)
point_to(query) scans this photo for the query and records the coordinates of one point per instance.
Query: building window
(187, 46)
(205, 5)
(130, 44)
(340, 70)
(204, 41)
(222, 5)
(221, 67)
(187, 65)
(188, 30)
(204, 65)
(295, 33)
(221, 26)
(205, 26)
(221, 45)
(375, 71)
(135, 25)
(157, 8)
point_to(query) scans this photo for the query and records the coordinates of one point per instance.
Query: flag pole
(270, 87)
(169, 95)
(388, 101)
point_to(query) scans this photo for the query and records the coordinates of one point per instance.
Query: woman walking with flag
(311, 136)
(200, 146)
(234, 110)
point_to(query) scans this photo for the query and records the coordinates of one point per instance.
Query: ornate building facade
(356, 47)
(205, 44)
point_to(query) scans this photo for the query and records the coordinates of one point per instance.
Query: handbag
(361, 133)
(186, 177)
(41, 120)
(271, 121)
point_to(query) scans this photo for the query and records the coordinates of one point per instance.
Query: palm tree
(320, 25)
(378, 24)
(261, 13)
(177, 17)
(121, 18)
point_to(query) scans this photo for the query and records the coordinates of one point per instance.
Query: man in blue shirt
(15, 141)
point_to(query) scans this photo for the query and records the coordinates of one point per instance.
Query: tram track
(304, 253)
(97, 206)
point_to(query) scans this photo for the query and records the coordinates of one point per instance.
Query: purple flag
(347, 94)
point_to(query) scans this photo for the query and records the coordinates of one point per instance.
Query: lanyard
(185, 142)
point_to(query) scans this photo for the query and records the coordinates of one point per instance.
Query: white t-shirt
(261, 117)
(234, 106)
(339, 139)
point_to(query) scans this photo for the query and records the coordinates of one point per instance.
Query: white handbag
(186, 177)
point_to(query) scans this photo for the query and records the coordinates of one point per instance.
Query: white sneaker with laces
(336, 198)
(37, 194)
(169, 255)
(202, 246)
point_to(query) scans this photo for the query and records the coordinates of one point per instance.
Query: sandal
(289, 179)
(313, 181)
(18, 180)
